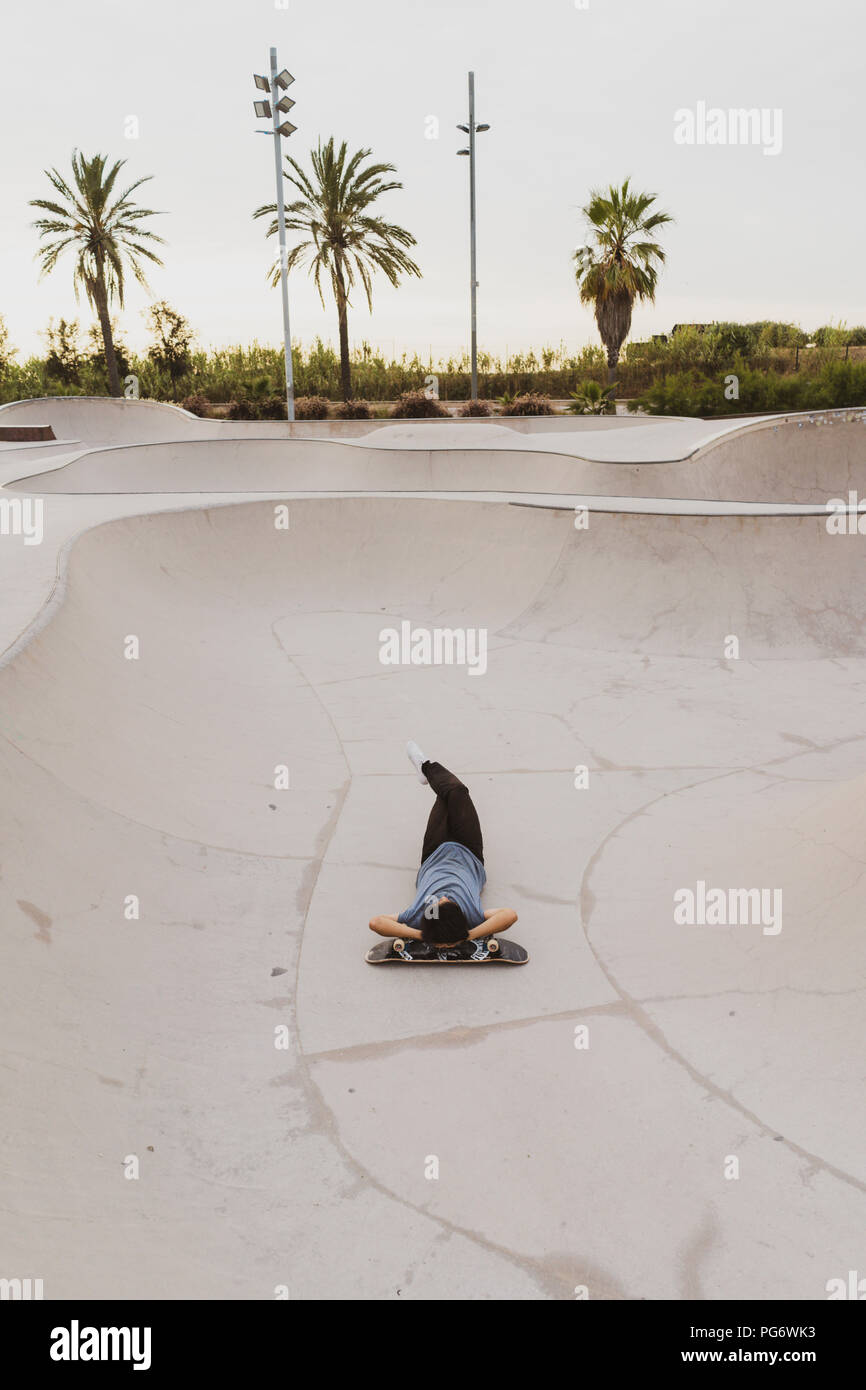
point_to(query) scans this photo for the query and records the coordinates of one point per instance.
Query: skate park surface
(648, 1110)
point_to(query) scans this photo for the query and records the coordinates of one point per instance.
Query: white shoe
(416, 757)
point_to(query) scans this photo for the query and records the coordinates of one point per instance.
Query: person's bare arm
(497, 919)
(387, 925)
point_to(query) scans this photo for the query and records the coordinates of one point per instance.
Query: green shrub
(196, 405)
(242, 410)
(836, 385)
(415, 405)
(273, 408)
(65, 358)
(312, 408)
(830, 335)
(529, 404)
(172, 340)
(592, 399)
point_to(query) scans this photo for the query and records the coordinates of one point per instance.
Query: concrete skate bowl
(102, 420)
(184, 941)
(800, 460)
(105, 419)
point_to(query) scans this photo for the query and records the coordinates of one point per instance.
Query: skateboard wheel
(493, 947)
(398, 945)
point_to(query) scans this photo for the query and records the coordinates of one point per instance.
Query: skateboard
(485, 951)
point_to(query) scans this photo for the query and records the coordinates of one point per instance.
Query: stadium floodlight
(280, 80)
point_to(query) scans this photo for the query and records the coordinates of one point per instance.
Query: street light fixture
(472, 130)
(279, 81)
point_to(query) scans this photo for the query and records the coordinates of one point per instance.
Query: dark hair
(449, 925)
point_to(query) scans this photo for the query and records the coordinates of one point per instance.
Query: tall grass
(255, 372)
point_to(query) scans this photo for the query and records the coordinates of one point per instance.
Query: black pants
(453, 816)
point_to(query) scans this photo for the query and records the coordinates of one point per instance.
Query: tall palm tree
(104, 230)
(344, 242)
(619, 264)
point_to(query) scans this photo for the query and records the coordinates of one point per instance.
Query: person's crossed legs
(453, 816)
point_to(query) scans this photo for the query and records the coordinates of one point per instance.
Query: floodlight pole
(472, 261)
(281, 223)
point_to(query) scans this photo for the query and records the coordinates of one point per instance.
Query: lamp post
(280, 104)
(472, 130)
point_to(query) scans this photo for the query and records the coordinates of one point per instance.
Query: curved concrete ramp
(185, 941)
(105, 419)
(798, 459)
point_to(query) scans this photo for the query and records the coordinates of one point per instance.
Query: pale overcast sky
(578, 93)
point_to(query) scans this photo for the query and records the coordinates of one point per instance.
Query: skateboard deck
(485, 951)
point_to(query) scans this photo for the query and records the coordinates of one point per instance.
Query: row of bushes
(261, 396)
(32, 378)
(712, 351)
(745, 391)
(740, 391)
(252, 377)
(274, 408)
(172, 370)
(255, 374)
(412, 405)
(415, 404)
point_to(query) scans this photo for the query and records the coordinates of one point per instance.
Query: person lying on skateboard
(447, 907)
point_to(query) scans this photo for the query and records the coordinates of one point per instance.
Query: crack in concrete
(748, 993)
(638, 1015)
(462, 1035)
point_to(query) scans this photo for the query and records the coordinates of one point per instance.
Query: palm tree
(344, 242)
(617, 266)
(104, 230)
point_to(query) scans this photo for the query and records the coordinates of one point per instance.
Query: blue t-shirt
(451, 871)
